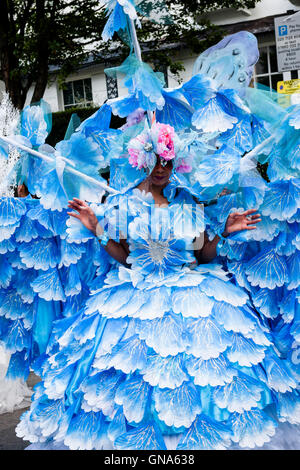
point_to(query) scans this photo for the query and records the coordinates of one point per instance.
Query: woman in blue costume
(165, 354)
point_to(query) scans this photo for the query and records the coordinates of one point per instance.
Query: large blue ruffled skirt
(185, 364)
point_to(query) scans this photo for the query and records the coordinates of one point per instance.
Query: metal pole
(138, 53)
(52, 160)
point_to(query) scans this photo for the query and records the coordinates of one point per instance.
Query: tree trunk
(42, 29)
(9, 62)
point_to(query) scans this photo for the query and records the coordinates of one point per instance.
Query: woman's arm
(235, 223)
(87, 217)
(209, 250)
(116, 251)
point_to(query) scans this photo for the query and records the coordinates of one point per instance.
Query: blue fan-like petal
(100, 390)
(198, 90)
(213, 118)
(252, 428)
(33, 123)
(294, 120)
(41, 215)
(205, 434)
(282, 199)
(59, 223)
(266, 301)
(118, 300)
(116, 21)
(289, 407)
(191, 302)
(237, 319)
(230, 62)
(175, 113)
(224, 291)
(70, 253)
(178, 407)
(79, 145)
(288, 305)
(110, 142)
(86, 329)
(238, 270)
(117, 426)
(48, 286)
(245, 351)
(6, 272)
(17, 338)
(267, 269)
(280, 378)
(7, 245)
(172, 338)
(87, 431)
(11, 211)
(71, 281)
(166, 372)
(40, 254)
(128, 355)
(212, 372)
(49, 189)
(239, 138)
(243, 393)
(141, 78)
(27, 231)
(293, 264)
(12, 306)
(207, 338)
(133, 396)
(77, 232)
(126, 105)
(259, 131)
(99, 120)
(18, 366)
(146, 437)
(8, 231)
(218, 168)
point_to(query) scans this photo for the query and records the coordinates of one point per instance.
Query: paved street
(8, 423)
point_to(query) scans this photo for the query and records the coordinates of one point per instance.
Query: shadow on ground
(8, 423)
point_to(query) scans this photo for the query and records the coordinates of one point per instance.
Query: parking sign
(287, 32)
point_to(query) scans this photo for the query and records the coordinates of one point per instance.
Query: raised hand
(241, 221)
(85, 214)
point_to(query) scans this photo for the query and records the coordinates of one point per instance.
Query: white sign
(287, 32)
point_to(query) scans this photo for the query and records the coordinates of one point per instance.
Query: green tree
(38, 34)
(35, 34)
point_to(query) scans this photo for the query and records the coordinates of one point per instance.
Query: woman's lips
(159, 177)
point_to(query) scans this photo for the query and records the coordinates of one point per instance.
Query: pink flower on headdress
(136, 150)
(159, 140)
(165, 141)
(133, 159)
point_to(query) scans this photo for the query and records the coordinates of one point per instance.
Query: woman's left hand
(238, 221)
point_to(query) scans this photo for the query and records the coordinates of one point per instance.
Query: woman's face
(161, 174)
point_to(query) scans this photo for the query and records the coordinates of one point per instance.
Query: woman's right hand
(85, 214)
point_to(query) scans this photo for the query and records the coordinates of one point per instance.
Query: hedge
(61, 119)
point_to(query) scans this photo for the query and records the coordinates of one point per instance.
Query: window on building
(111, 87)
(266, 69)
(78, 93)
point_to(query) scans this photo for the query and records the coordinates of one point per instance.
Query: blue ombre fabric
(43, 277)
(266, 261)
(160, 349)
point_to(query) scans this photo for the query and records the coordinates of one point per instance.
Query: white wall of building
(263, 8)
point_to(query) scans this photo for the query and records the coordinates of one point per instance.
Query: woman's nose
(159, 165)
